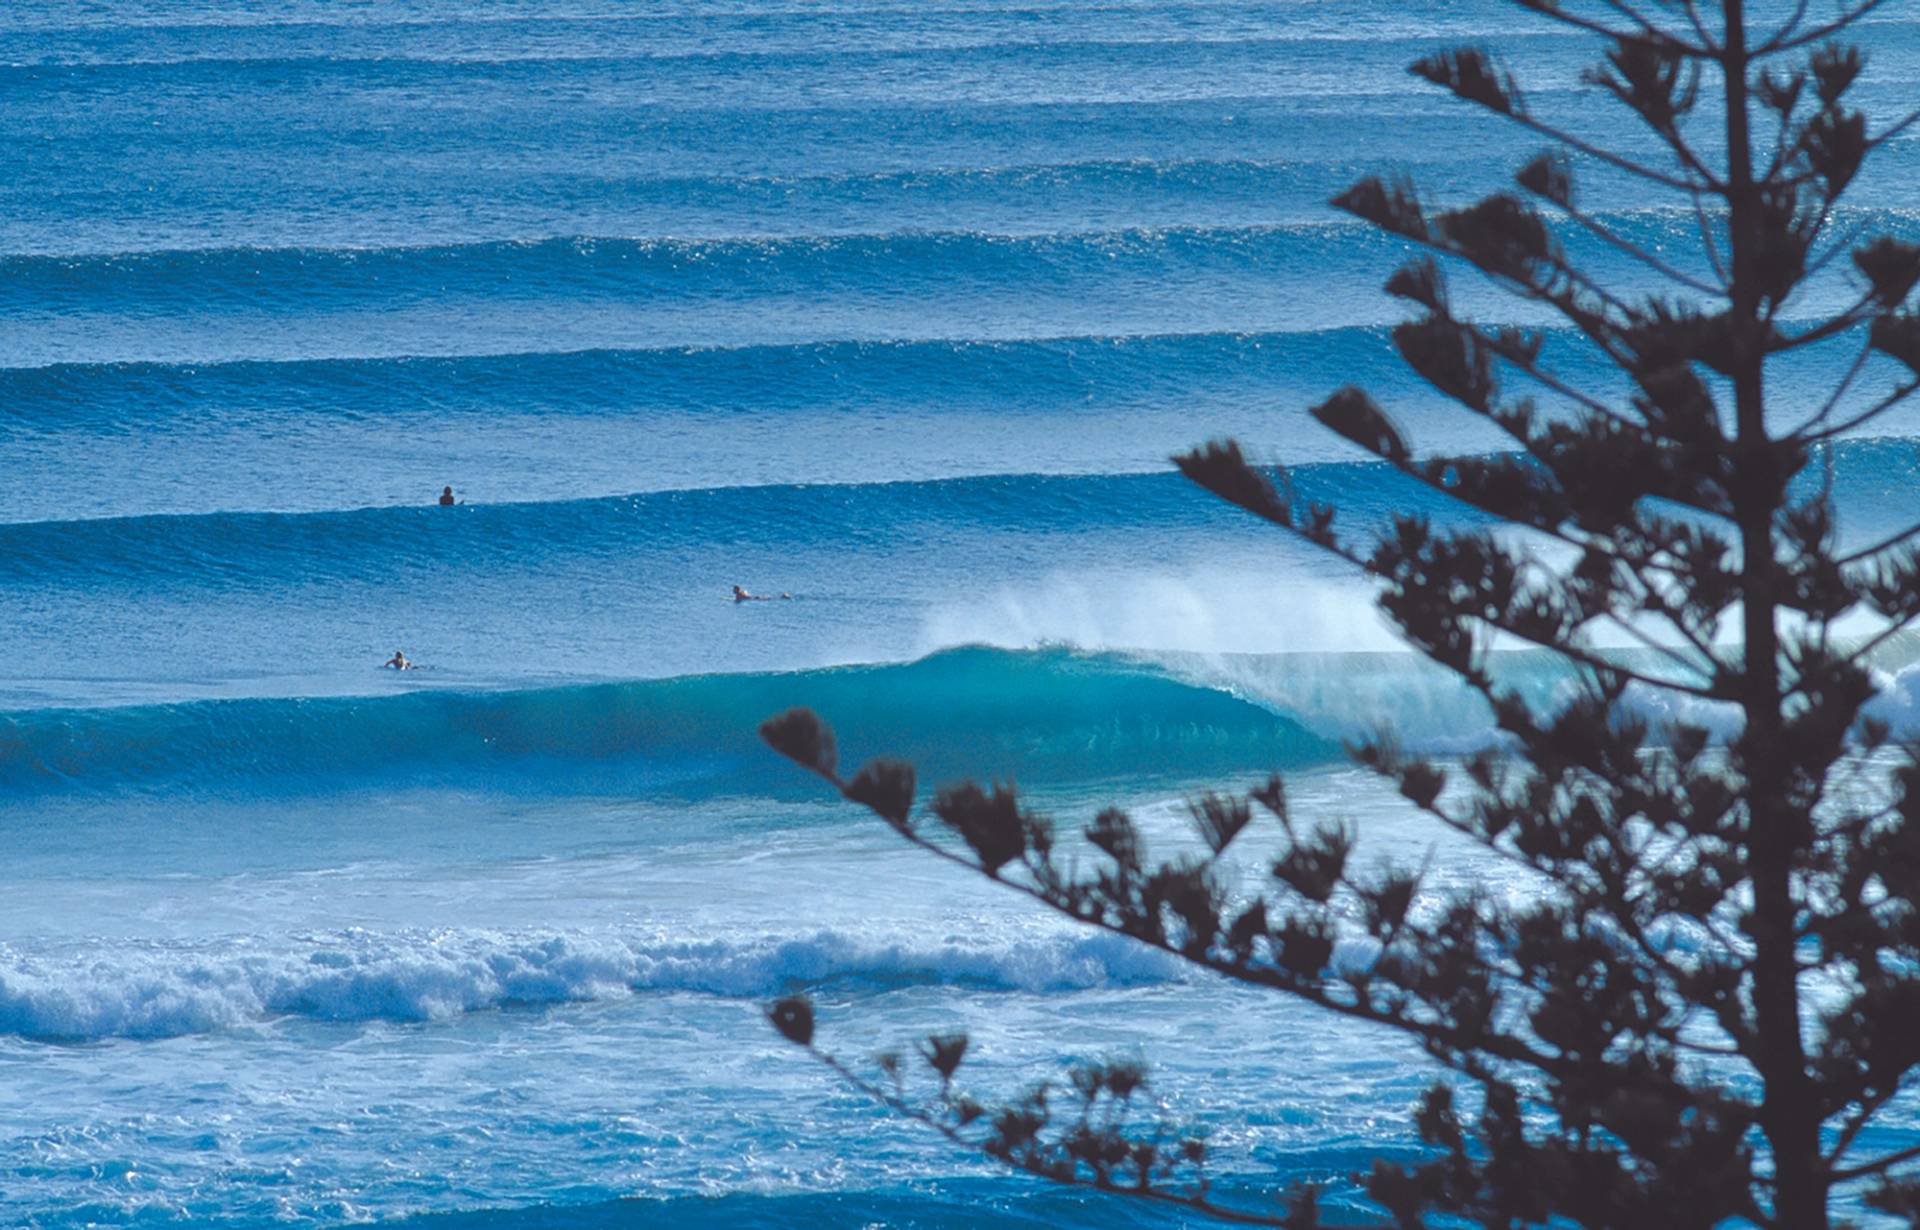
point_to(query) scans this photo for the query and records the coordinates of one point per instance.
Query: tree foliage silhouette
(1715, 993)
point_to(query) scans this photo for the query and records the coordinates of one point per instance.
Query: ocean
(898, 309)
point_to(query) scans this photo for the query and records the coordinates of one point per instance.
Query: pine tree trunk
(1789, 1114)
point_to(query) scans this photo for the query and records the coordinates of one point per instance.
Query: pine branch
(1857, 421)
(1635, 251)
(1859, 313)
(1895, 539)
(1656, 34)
(1450, 1038)
(1194, 1201)
(1645, 28)
(1878, 1166)
(1803, 432)
(1707, 43)
(1785, 41)
(1787, 27)
(1647, 641)
(1895, 129)
(1867, 648)
(1865, 1112)
(1707, 242)
(1618, 909)
(1572, 652)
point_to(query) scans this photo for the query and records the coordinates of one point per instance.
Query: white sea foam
(155, 990)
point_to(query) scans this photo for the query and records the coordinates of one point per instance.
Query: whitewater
(898, 309)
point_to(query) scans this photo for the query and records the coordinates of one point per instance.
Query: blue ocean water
(899, 309)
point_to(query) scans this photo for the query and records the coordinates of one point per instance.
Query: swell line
(1640, 223)
(840, 46)
(1056, 373)
(171, 260)
(1254, 262)
(1872, 480)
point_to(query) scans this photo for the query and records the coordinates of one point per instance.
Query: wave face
(1037, 715)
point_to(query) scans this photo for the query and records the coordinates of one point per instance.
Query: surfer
(741, 595)
(446, 496)
(398, 662)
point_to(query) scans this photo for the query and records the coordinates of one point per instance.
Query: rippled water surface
(895, 308)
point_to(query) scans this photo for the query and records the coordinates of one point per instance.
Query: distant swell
(160, 990)
(1045, 714)
(1012, 47)
(1334, 250)
(755, 379)
(240, 550)
(588, 266)
(1873, 484)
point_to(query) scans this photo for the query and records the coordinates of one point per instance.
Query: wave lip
(1040, 715)
(157, 991)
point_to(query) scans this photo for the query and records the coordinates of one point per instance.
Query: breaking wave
(160, 991)
(1047, 714)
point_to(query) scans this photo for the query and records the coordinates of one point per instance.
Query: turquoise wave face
(1040, 716)
(1049, 718)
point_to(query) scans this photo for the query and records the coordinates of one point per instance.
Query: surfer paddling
(742, 595)
(398, 662)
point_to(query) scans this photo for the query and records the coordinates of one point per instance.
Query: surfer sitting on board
(446, 496)
(398, 662)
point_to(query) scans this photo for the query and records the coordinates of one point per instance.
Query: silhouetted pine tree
(1717, 989)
